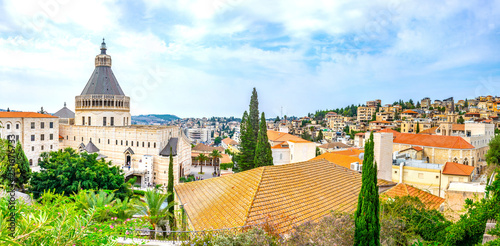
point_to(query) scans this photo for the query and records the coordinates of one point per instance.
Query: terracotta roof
(61, 137)
(229, 141)
(430, 131)
(360, 134)
(283, 145)
(414, 148)
(438, 141)
(341, 160)
(401, 190)
(452, 168)
(394, 132)
(409, 112)
(458, 127)
(283, 195)
(333, 145)
(225, 159)
(383, 121)
(205, 148)
(24, 115)
(276, 136)
(350, 152)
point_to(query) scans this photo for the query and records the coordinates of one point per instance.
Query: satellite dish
(361, 156)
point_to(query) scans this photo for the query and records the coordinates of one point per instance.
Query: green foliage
(66, 172)
(460, 120)
(101, 202)
(306, 135)
(152, 211)
(253, 114)
(170, 189)
(320, 136)
(21, 166)
(367, 231)
(217, 140)
(418, 128)
(318, 152)
(493, 154)
(254, 236)
(139, 192)
(263, 154)
(469, 230)
(225, 166)
(245, 159)
(202, 158)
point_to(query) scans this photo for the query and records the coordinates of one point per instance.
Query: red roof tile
(452, 168)
(401, 190)
(438, 141)
(24, 115)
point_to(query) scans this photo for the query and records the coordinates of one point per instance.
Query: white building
(36, 132)
(287, 148)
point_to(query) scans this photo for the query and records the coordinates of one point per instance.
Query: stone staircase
(487, 237)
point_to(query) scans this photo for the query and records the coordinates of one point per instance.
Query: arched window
(31, 162)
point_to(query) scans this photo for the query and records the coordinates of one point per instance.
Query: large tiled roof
(102, 81)
(401, 190)
(350, 152)
(205, 148)
(24, 115)
(438, 141)
(229, 141)
(282, 195)
(341, 160)
(276, 136)
(333, 145)
(452, 168)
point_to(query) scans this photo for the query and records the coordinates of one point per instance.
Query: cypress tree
(263, 154)
(320, 136)
(367, 231)
(170, 190)
(247, 152)
(253, 114)
(418, 127)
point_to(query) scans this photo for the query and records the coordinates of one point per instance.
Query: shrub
(225, 166)
(139, 192)
(254, 236)
(335, 229)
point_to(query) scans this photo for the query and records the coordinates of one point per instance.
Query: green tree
(418, 127)
(306, 135)
(320, 136)
(263, 154)
(217, 140)
(247, 152)
(367, 222)
(460, 120)
(152, 211)
(253, 114)
(318, 152)
(170, 189)
(277, 119)
(216, 155)
(66, 172)
(21, 165)
(202, 158)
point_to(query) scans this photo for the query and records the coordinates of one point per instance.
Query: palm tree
(202, 158)
(216, 156)
(152, 210)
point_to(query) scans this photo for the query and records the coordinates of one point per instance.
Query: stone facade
(36, 132)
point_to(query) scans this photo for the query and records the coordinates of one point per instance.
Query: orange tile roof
(283, 195)
(429, 131)
(283, 145)
(383, 121)
(458, 127)
(394, 132)
(350, 152)
(229, 141)
(225, 159)
(341, 160)
(452, 168)
(24, 115)
(205, 148)
(438, 141)
(276, 136)
(401, 190)
(409, 112)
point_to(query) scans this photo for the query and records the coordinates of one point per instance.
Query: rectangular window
(8, 126)
(51, 125)
(42, 137)
(32, 137)
(32, 125)
(42, 147)
(51, 137)
(104, 121)
(32, 148)
(112, 121)
(90, 121)
(42, 125)
(51, 146)
(83, 120)
(17, 126)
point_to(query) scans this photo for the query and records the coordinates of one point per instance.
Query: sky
(201, 58)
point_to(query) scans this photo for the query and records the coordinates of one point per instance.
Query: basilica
(101, 123)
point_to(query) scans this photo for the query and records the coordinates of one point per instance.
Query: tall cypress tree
(263, 154)
(170, 189)
(253, 114)
(367, 231)
(247, 151)
(418, 128)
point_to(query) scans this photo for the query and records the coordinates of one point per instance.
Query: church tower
(102, 101)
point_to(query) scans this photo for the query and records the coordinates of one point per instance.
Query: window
(82, 139)
(31, 162)
(116, 142)
(42, 137)
(154, 145)
(83, 120)
(51, 125)
(149, 144)
(32, 148)
(90, 121)
(437, 176)
(132, 143)
(17, 126)
(137, 143)
(41, 147)
(8, 126)
(395, 171)
(122, 142)
(281, 156)
(99, 140)
(32, 137)
(32, 125)
(51, 137)
(51, 146)
(42, 125)
(126, 143)
(74, 138)
(104, 121)
(112, 121)
(143, 144)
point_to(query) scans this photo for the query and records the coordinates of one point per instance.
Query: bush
(225, 166)
(335, 229)
(139, 192)
(254, 236)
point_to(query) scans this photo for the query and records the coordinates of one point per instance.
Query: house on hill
(287, 148)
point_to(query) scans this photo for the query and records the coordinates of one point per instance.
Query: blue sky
(195, 58)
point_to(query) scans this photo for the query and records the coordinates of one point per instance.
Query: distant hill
(154, 118)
